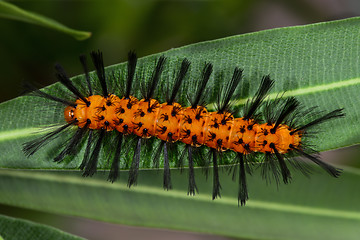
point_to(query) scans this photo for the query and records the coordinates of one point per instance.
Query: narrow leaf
(14, 229)
(10, 11)
(319, 208)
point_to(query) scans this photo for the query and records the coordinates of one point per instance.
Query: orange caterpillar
(195, 126)
(192, 125)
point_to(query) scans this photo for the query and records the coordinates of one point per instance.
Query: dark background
(28, 53)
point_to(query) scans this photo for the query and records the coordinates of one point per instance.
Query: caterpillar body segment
(172, 123)
(96, 115)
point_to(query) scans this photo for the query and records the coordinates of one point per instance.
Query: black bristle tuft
(285, 172)
(38, 93)
(333, 171)
(205, 76)
(98, 62)
(131, 67)
(224, 102)
(73, 144)
(155, 78)
(64, 79)
(33, 146)
(114, 171)
(289, 107)
(91, 165)
(338, 113)
(158, 151)
(179, 79)
(216, 180)
(270, 166)
(192, 184)
(252, 105)
(86, 72)
(243, 192)
(167, 176)
(87, 150)
(134, 169)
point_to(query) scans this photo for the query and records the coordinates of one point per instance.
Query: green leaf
(318, 208)
(318, 63)
(12, 228)
(10, 11)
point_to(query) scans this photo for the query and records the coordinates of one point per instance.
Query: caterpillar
(268, 128)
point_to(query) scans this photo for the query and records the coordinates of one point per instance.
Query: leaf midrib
(255, 204)
(303, 91)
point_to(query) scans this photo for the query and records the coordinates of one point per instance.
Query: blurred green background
(28, 53)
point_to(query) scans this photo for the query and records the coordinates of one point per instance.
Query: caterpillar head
(69, 114)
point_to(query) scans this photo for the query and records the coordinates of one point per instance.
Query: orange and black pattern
(277, 136)
(172, 122)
